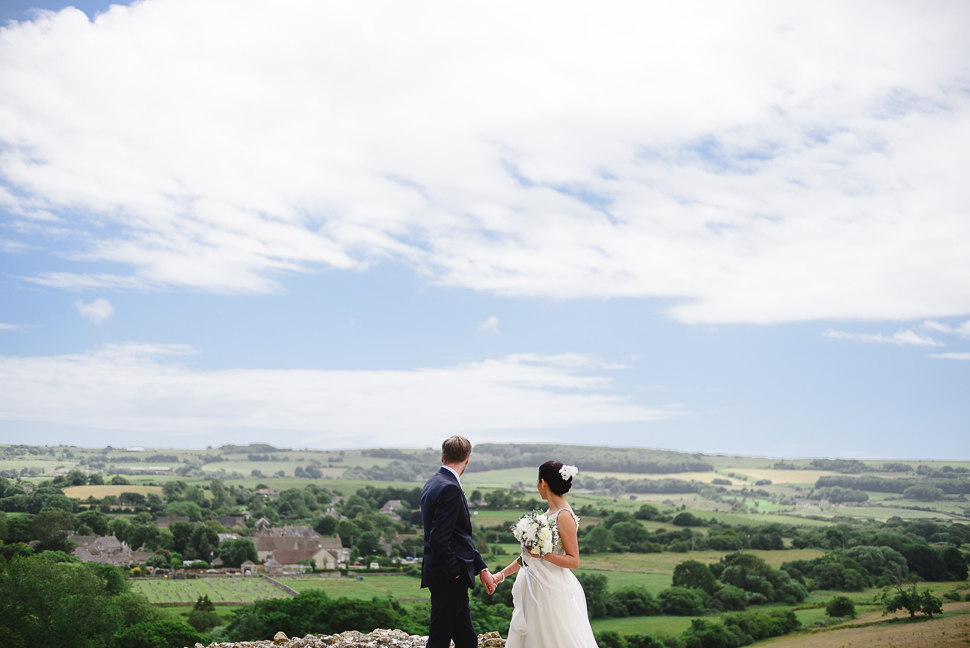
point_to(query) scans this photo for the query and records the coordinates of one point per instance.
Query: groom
(450, 558)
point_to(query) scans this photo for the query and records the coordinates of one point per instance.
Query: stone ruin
(353, 639)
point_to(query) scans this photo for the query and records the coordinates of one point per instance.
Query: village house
(231, 521)
(107, 550)
(164, 522)
(326, 553)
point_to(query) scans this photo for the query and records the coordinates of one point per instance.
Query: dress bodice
(557, 548)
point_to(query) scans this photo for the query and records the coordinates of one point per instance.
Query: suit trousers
(451, 618)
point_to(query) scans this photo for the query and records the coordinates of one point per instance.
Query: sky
(735, 228)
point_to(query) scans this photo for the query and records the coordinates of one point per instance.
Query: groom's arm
(448, 506)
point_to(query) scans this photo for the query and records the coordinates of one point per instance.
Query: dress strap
(566, 508)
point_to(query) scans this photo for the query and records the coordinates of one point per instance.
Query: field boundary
(288, 590)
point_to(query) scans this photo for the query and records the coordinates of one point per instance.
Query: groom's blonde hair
(455, 449)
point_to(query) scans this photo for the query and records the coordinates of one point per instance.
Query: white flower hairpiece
(568, 472)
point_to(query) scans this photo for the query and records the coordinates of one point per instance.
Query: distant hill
(251, 448)
(496, 456)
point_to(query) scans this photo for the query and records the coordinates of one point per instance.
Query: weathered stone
(354, 639)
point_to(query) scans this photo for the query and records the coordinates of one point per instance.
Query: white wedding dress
(550, 607)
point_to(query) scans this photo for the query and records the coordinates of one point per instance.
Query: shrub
(637, 601)
(694, 574)
(204, 621)
(686, 519)
(610, 639)
(840, 606)
(754, 598)
(731, 598)
(680, 601)
(709, 634)
(158, 634)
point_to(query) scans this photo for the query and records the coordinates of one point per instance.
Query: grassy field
(236, 589)
(654, 625)
(401, 588)
(872, 630)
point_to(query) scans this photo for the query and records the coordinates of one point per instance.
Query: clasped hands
(488, 581)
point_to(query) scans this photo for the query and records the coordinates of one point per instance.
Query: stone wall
(353, 639)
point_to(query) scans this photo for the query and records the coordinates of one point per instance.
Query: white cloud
(490, 325)
(953, 355)
(899, 338)
(11, 327)
(142, 388)
(98, 311)
(962, 329)
(642, 150)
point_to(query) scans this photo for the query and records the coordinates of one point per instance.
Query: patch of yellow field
(782, 476)
(84, 492)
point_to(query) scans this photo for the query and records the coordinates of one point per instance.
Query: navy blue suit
(451, 561)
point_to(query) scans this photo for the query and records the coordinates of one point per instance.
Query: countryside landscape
(269, 271)
(677, 548)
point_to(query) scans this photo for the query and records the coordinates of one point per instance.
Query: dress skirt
(550, 608)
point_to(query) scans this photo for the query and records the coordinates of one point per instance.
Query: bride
(549, 603)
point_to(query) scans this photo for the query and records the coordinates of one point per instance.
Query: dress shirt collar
(455, 473)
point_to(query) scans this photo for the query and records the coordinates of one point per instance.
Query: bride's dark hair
(550, 472)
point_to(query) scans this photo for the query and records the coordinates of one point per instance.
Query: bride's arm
(508, 571)
(567, 535)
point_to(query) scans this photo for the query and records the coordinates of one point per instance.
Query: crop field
(218, 589)
(84, 492)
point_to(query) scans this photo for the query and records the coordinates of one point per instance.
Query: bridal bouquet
(536, 532)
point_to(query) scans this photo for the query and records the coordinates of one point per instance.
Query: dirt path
(942, 632)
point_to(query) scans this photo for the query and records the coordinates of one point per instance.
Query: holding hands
(488, 581)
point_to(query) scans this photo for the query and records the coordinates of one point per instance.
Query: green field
(362, 586)
(218, 589)
(651, 625)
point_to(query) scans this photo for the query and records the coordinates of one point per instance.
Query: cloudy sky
(721, 227)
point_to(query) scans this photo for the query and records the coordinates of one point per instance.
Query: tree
(181, 535)
(235, 552)
(680, 601)
(694, 574)
(840, 606)
(326, 526)
(205, 542)
(686, 519)
(647, 512)
(368, 543)
(46, 604)
(96, 520)
(630, 532)
(956, 564)
(52, 527)
(900, 597)
(598, 540)
(925, 561)
(158, 634)
(731, 598)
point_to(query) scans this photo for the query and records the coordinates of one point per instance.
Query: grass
(651, 625)
(218, 589)
(401, 588)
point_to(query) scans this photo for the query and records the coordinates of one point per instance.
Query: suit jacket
(449, 550)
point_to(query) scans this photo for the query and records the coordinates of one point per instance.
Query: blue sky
(741, 232)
